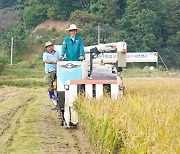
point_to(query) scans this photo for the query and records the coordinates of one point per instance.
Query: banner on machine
(142, 57)
(130, 57)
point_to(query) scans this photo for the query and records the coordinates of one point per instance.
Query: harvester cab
(90, 76)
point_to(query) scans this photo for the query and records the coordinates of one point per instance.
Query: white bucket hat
(73, 27)
(48, 44)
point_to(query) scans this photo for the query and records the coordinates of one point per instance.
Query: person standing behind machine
(72, 47)
(50, 57)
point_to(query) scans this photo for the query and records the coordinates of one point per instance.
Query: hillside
(36, 48)
(50, 24)
(8, 19)
(146, 27)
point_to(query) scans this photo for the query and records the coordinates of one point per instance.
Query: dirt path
(28, 125)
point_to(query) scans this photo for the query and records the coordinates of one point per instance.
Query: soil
(37, 49)
(49, 24)
(29, 125)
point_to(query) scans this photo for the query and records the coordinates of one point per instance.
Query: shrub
(2, 64)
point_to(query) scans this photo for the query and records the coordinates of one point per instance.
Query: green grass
(36, 63)
(23, 83)
(146, 72)
(23, 73)
(25, 69)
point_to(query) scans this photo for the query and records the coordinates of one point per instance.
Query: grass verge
(146, 72)
(23, 83)
(23, 73)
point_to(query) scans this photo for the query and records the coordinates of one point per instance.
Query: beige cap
(73, 27)
(48, 44)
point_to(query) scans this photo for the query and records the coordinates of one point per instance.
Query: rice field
(145, 120)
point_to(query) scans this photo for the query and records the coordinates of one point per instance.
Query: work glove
(81, 58)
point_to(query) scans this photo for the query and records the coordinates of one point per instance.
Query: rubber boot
(54, 100)
(52, 95)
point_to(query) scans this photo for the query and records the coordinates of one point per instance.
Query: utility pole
(12, 50)
(98, 34)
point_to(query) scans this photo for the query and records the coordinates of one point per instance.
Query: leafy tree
(34, 15)
(91, 38)
(86, 20)
(141, 25)
(80, 17)
(145, 25)
(18, 32)
(51, 13)
(145, 30)
(8, 18)
(2, 64)
(171, 52)
(172, 17)
(85, 4)
(170, 32)
(38, 2)
(63, 8)
(7, 3)
(11, 3)
(58, 9)
(110, 10)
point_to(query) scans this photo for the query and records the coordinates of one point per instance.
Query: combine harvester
(93, 77)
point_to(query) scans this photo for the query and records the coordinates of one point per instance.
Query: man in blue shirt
(72, 47)
(50, 57)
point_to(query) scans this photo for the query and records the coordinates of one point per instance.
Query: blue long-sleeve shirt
(72, 49)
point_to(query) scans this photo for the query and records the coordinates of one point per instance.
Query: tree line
(144, 25)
